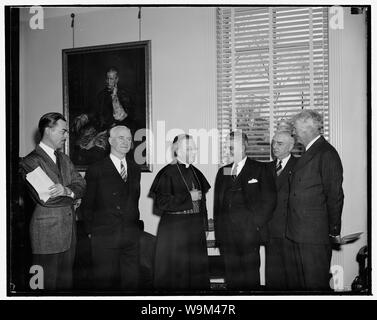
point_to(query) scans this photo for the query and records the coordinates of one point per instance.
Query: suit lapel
(50, 164)
(308, 155)
(246, 173)
(282, 178)
(110, 170)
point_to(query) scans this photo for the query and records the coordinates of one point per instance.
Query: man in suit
(245, 198)
(52, 226)
(278, 249)
(111, 214)
(114, 104)
(315, 203)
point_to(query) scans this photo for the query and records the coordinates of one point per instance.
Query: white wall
(348, 130)
(183, 69)
(184, 88)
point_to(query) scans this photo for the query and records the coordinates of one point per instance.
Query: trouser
(242, 268)
(311, 267)
(57, 269)
(241, 260)
(279, 263)
(116, 268)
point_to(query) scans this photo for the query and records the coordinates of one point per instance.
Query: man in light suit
(52, 226)
(279, 255)
(315, 203)
(245, 198)
(111, 215)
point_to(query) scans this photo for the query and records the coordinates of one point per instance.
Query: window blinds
(271, 63)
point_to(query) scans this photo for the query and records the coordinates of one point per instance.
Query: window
(271, 63)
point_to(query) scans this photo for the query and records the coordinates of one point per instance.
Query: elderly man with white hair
(279, 256)
(111, 215)
(315, 204)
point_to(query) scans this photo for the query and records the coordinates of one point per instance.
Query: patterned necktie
(278, 167)
(234, 171)
(123, 172)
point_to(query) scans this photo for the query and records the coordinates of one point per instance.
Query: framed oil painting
(104, 86)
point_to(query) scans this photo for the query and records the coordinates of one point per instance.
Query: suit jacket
(277, 225)
(104, 109)
(111, 206)
(260, 198)
(52, 222)
(316, 195)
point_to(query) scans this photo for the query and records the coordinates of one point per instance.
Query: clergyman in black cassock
(181, 262)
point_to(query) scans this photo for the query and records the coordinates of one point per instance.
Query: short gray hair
(286, 133)
(113, 128)
(307, 114)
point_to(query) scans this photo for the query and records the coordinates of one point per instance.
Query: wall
(184, 88)
(348, 130)
(183, 69)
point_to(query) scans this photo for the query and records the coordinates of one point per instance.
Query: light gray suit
(52, 226)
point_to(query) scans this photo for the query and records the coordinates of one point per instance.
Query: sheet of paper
(350, 237)
(40, 182)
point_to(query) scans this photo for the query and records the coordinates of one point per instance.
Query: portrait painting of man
(105, 86)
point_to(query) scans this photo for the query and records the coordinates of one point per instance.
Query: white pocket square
(253, 181)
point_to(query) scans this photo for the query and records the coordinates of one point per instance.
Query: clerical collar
(312, 142)
(183, 162)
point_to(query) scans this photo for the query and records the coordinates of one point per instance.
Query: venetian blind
(271, 63)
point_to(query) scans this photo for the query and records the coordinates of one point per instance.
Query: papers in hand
(351, 237)
(40, 182)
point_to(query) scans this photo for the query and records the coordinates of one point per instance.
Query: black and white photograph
(188, 150)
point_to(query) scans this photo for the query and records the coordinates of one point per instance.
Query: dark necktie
(278, 167)
(56, 153)
(123, 172)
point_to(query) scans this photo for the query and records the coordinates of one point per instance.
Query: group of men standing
(293, 206)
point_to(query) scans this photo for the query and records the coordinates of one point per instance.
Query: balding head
(282, 144)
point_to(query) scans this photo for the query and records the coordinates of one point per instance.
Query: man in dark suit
(52, 225)
(111, 214)
(114, 104)
(245, 198)
(279, 257)
(315, 203)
